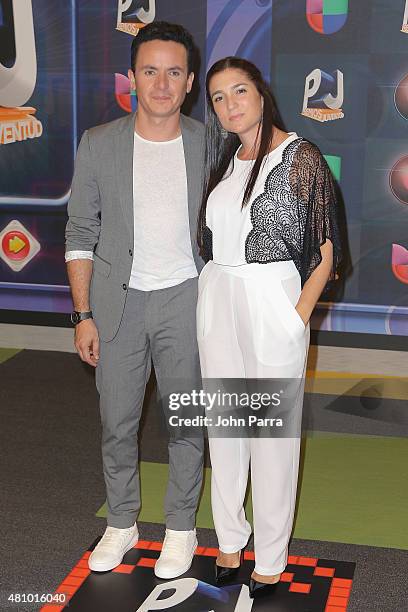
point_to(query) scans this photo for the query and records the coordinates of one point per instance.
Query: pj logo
(132, 16)
(199, 595)
(324, 96)
(18, 72)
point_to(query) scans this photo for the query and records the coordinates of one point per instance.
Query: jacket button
(131, 252)
(124, 286)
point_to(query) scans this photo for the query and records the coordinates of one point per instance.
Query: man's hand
(87, 342)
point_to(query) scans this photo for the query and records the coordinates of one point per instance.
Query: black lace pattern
(295, 214)
(277, 219)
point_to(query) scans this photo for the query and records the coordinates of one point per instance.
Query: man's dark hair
(162, 30)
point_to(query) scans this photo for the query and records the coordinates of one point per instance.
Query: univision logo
(125, 95)
(399, 263)
(326, 16)
(334, 163)
(324, 96)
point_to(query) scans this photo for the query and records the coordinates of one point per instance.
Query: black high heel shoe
(226, 574)
(261, 589)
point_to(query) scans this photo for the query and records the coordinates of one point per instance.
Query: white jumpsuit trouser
(248, 327)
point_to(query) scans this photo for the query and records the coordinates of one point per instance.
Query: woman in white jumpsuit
(267, 228)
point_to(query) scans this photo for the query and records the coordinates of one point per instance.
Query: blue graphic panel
(242, 28)
(341, 81)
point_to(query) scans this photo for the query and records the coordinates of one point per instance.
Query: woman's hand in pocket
(305, 316)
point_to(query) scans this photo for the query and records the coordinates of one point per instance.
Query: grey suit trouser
(158, 326)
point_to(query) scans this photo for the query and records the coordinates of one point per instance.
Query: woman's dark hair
(220, 150)
(162, 30)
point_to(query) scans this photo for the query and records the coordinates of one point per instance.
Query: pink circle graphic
(399, 180)
(401, 97)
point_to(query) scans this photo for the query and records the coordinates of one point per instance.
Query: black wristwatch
(77, 317)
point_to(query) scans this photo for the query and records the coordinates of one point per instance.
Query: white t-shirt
(230, 225)
(162, 255)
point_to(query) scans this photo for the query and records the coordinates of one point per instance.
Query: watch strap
(77, 316)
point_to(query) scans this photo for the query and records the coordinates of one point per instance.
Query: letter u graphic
(18, 81)
(326, 16)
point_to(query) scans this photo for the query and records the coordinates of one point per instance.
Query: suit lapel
(124, 169)
(192, 144)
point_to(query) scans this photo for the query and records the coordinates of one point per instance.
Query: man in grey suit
(133, 263)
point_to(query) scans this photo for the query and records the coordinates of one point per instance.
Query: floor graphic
(307, 585)
(7, 353)
(367, 471)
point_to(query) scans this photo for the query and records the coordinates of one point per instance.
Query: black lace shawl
(294, 215)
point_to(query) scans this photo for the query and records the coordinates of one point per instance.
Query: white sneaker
(112, 547)
(177, 553)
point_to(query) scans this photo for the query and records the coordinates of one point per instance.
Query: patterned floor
(317, 585)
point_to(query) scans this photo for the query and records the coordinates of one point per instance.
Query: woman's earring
(224, 133)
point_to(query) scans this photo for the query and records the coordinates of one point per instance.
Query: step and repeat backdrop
(338, 68)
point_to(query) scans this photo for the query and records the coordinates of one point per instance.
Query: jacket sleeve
(84, 211)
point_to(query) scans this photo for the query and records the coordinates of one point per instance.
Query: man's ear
(132, 79)
(190, 81)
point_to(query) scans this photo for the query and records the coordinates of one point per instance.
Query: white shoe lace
(174, 545)
(114, 537)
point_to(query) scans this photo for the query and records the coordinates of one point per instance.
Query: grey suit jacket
(100, 210)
